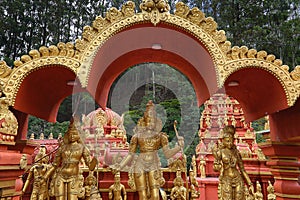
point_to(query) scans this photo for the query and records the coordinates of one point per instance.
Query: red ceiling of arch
(42, 91)
(259, 92)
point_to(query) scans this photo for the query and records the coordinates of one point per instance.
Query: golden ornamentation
(182, 10)
(202, 164)
(178, 192)
(193, 179)
(23, 161)
(146, 170)
(229, 163)
(8, 121)
(90, 189)
(128, 9)
(226, 59)
(5, 70)
(117, 190)
(151, 5)
(248, 196)
(271, 192)
(295, 74)
(258, 195)
(195, 194)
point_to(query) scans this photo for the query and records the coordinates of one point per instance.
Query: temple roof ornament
(79, 57)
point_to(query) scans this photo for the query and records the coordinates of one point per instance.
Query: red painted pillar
(284, 163)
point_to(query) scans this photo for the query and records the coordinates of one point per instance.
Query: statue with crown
(65, 174)
(146, 171)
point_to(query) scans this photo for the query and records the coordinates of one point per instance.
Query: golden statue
(258, 195)
(90, 188)
(37, 172)
(194, 193)
(271, 192)
(248, 196)
(67, 182)
(229, 162)
(193, 179)
(117, 190)
(201, 167)
(194, 183)
(178, 192)
(147, 172)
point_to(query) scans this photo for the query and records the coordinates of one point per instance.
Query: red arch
(134, 46)
(258, 91)
(42, 91)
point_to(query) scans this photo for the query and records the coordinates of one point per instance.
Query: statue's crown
(228, 131)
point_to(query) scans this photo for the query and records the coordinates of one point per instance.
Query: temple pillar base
(284, 163)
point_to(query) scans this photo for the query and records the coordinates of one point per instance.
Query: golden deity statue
(37, 172)
(271, 192)
(178, 192)
(230, 164)
(117, 190)
(149, 139)
(67, 183)
(248, 196)
(90, 188)
(194, 193)
(258, 195)
(201, 167)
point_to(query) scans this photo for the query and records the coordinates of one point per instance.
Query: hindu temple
(235, 84)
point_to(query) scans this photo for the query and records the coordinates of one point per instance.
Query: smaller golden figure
(271, 192)
(229, 162)
(194, 164)
(201, 167)
(194, 193)
(248, 196)
(117, 190)
(258, 195)
(193, 179)
(178, 192)
(37, 172)
(91, 191)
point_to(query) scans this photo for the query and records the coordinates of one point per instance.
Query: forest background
(272, 25)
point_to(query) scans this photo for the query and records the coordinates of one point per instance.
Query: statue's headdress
(72, 126)
(150, 114)
(228, 131)
(117, 174)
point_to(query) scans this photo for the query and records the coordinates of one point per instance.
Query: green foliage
(259, 125)
(38, 126)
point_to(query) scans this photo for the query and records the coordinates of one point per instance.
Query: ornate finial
(295, 74)
(8, 121)
(155, 10)
(150, 5)
(23, 161)
(5, 70)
